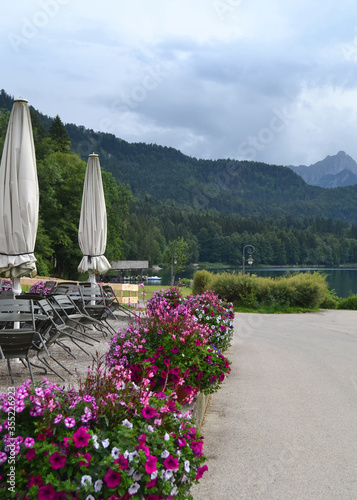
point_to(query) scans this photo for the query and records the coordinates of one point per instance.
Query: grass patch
(151, 289)
(275, 309)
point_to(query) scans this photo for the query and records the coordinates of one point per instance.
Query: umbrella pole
(91, 278)
(16, 286)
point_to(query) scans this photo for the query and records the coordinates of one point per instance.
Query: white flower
(154, 474)
(98, 485)
(133, 455)
(90, 497)
(105, 443)
(165, 454)
(127, 424)
(137, 476)
(134, 488)
(130, 471)
(86, 480)
(174, 491)
(186, 465)
(167, 437)
(168, 474)
(150, 428)
(115, 453)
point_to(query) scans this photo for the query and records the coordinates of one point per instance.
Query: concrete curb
(198, 408)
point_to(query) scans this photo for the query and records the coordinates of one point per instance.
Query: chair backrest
(29, 295)
(16, 344)
(19, 311)
(7, 294)
(50, 285)
(65, 304)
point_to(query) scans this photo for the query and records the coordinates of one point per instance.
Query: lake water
(342, 280)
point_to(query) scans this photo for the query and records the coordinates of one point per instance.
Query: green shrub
(201, 280)
(331, 300)
(236, 288)
(306, 290)
(349, 303)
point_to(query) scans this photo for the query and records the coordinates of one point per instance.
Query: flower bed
(122, 434)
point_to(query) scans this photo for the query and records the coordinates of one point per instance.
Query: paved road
(284, 425)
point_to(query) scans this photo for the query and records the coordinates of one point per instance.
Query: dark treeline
(214, 237)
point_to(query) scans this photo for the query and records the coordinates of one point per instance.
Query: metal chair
(93, 303)
(114, 304)
(18, 332)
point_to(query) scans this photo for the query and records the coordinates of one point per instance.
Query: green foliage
(303, 290)
(59, 136)
(201, 281)
(348, 303)
(177, 256)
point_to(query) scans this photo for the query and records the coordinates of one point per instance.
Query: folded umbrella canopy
(19, 198)
(92, 232)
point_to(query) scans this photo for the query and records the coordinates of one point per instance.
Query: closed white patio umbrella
(92, 232)
(19, 198)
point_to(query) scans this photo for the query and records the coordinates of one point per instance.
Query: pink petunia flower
(149, 412)
(171, 463)
(69, 422)
(29, 442)
(30, 454)
(58, 418)
(81, 437)
(57, 460)
(46, 492)
(150, 464)
(201, 471)
(112, 478)
(196, 447)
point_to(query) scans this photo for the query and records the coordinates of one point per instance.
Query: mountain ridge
(338, 170)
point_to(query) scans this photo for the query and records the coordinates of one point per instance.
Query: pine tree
(59, 136)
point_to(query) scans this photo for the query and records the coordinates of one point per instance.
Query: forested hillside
(217, 206)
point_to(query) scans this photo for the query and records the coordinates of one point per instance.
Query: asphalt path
(284, 424)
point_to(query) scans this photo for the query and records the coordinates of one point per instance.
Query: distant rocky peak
(331, 166)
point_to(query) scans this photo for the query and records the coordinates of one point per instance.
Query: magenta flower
(69, 422)
(30, 454)
(174, 350)
(196, 447)
(86, 459)
(58, 418)
(57, 460)
(150, 464)
(112, 478)
(61, 495)
(34, 480)
(171, 463)
(81, 437)
(201, 471)
(122, 461)
(199, 375)
(181, 442)
(46, 492)
(149, 412)
(29, 442)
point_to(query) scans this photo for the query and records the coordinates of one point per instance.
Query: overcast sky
(272, 81)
